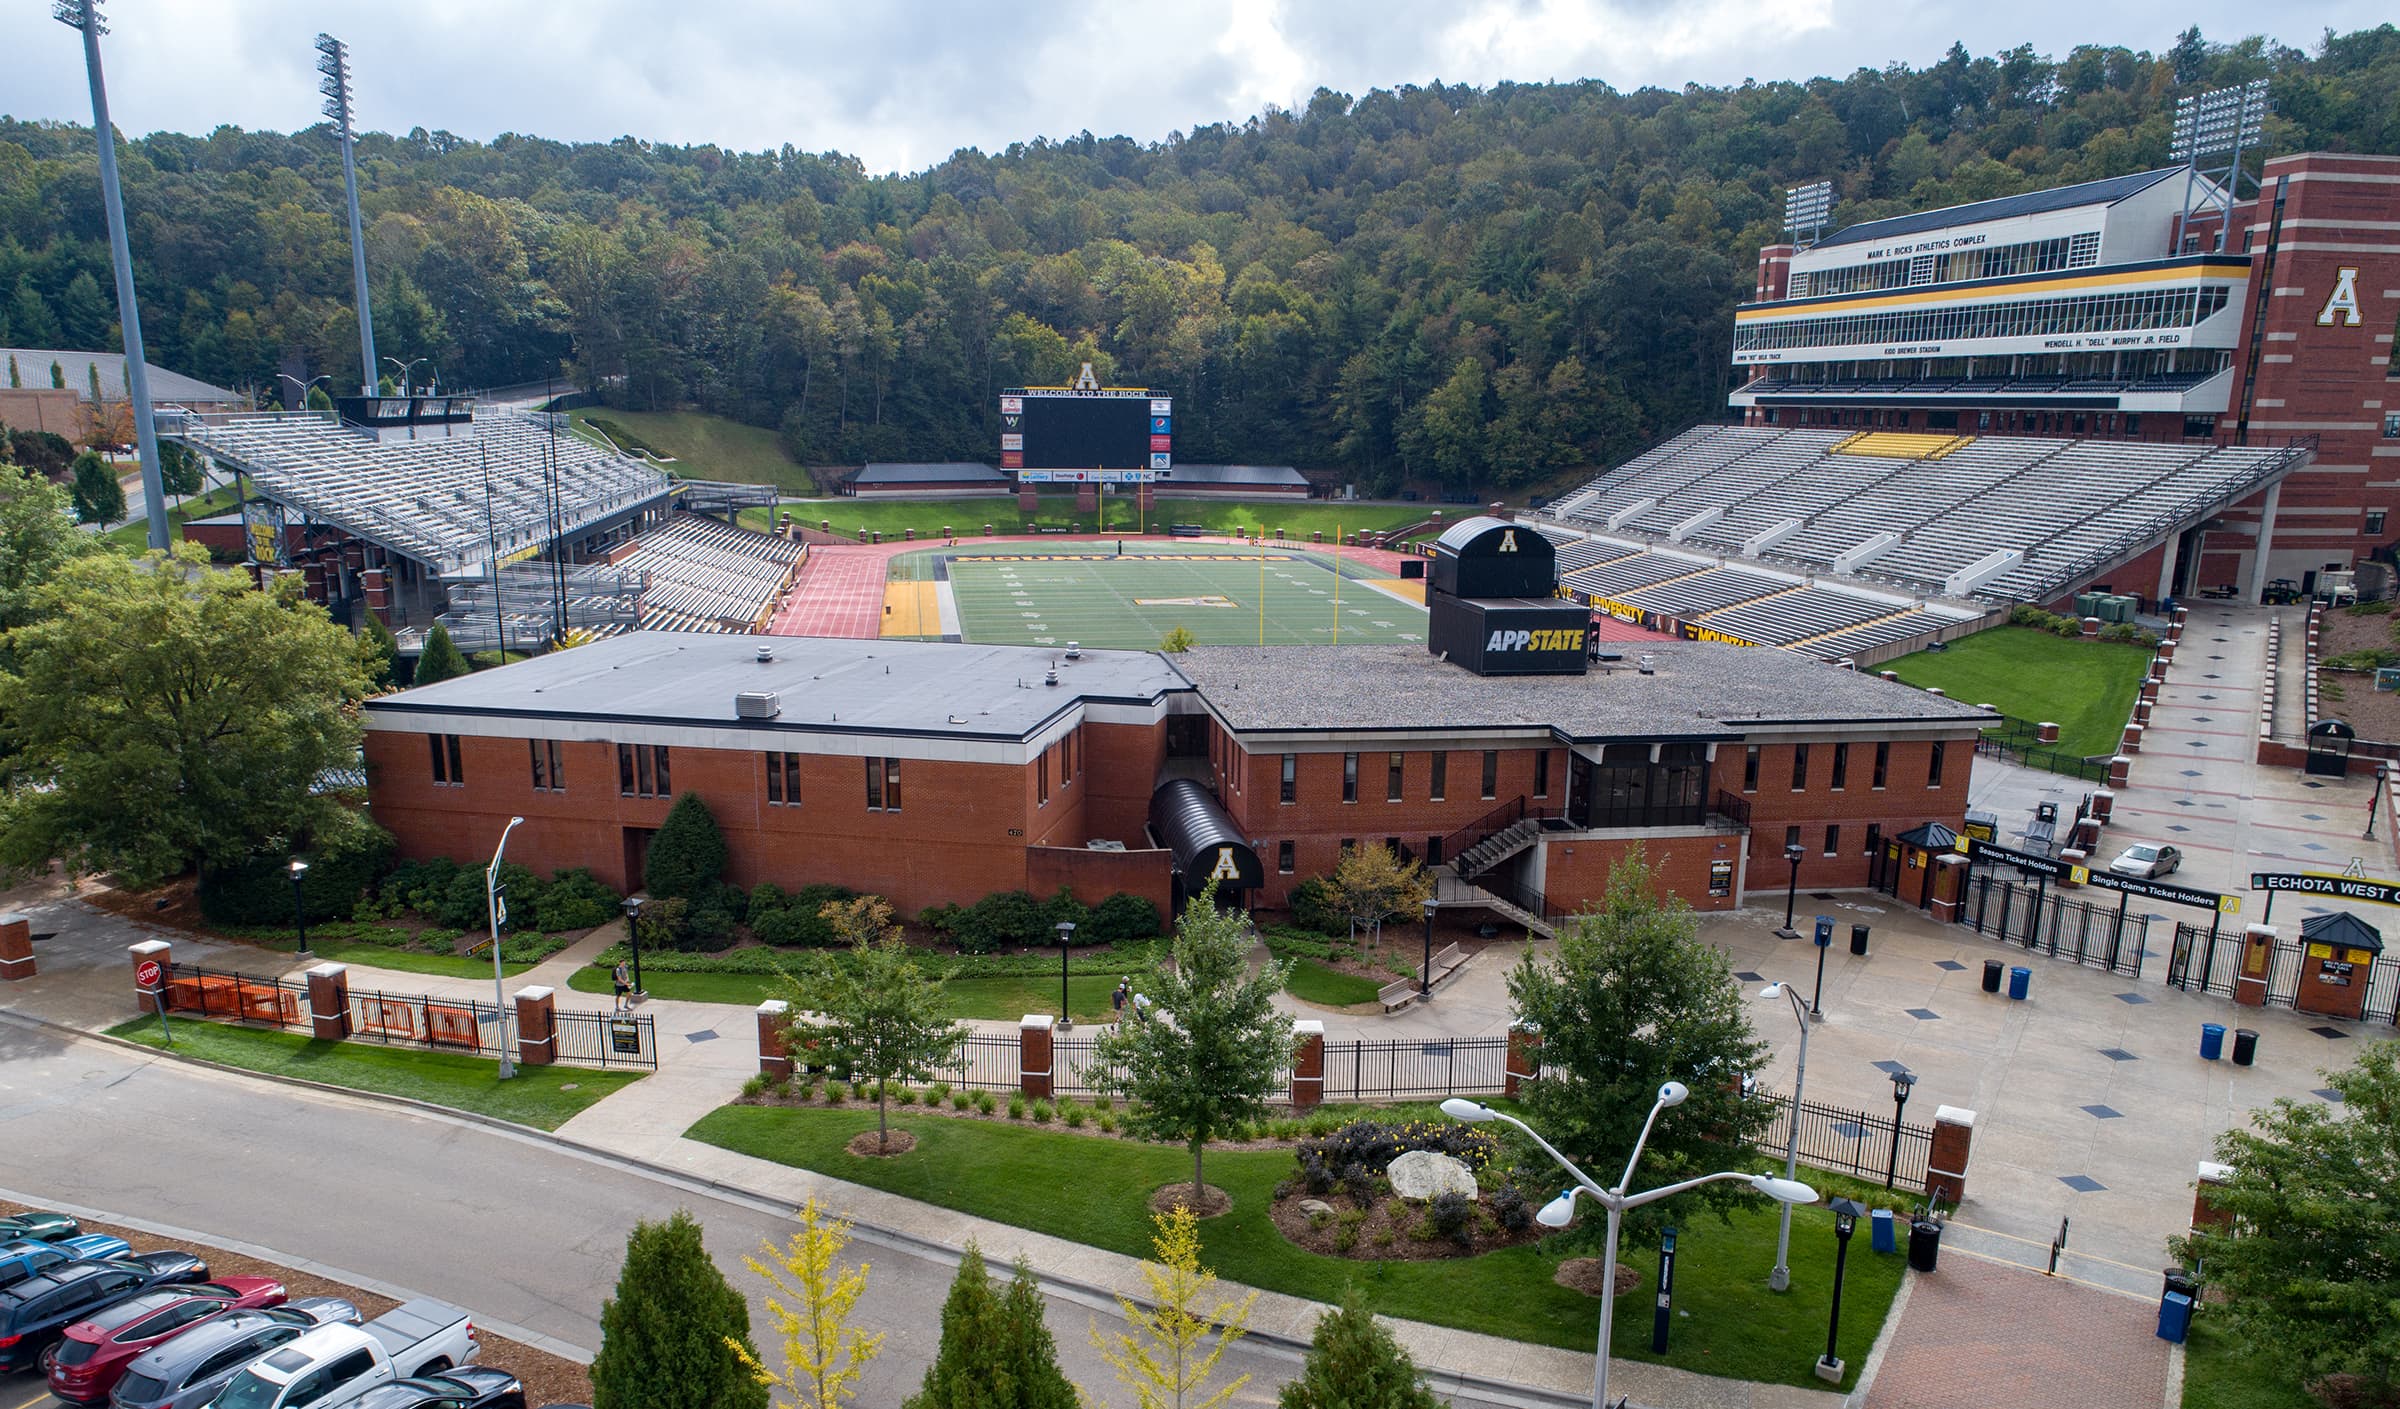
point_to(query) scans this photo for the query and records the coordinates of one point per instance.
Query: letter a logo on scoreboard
(1085, 381)
(2342, 302)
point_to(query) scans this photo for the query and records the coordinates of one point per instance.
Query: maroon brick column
(2258, 957)
(1308, 1065)
(1033, 1055)
(1524, 1059)
(329, 1002)
(16, 948)
(2131, 744)
(1946, 1167)
(1949, 886)
(537, 1027)
(159, 950)
(2120, 768)
(2205, 1212)
(1087, 498)
(2044, 732)
(2104, 804)
(774, 1051)
(1028, 500)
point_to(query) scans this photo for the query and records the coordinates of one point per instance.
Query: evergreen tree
(668, 1338)
(178, 468)
(83, 313)
(440, 660)
(16, 378)
(1353, 1363)
(98, 498)
(687, 856)
(996, 1350)
(383, 651)
(318, 400)
(29, 319)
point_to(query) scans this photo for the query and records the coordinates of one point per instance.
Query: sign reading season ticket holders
(2052, 868)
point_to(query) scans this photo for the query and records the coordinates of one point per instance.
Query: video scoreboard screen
(1086, 432)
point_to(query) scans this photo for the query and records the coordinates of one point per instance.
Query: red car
(92, 1355)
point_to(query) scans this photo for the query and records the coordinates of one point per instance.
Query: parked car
(2146, 860)
(21, 1259)
(38, 1310)
(333, 1365)
(85, 1363)
(188, 1370)
(40, 1225)
(469, 1387)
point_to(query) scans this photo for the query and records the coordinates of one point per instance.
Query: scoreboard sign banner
(2339, 887)
(1087, 427)
(2051, 868)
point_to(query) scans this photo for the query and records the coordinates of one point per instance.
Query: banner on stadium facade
(263, 522)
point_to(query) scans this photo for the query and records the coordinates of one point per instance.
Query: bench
(1446, 961)
(1397, 995)
(1189, 530)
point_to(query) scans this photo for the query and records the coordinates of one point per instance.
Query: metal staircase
(1496, 848)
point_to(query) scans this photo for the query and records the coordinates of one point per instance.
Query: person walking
(623, 978)
(1116, 1000)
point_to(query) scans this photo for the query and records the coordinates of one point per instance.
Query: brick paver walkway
(1975, 1335)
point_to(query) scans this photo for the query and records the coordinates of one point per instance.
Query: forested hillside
(1481, 286)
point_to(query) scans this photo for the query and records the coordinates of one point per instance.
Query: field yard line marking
(1395, 596)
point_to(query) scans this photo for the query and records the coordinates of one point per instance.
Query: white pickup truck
(332, 1365)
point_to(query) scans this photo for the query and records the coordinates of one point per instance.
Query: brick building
(936, 772)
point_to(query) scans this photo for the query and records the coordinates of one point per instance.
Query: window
(446, 770)
(1349, 777)
(1933, 765)
(1283, 857)
(1291, 776)
(1799, 768)
(1491, 773)
(1041, 780)
(1841, 766)
(783, 779)
(1833, 841)
(1541, 773)
(1441, 775)
(1394, 776)
(2374, 522)
(1065, 746)
(547, 776)
(883, 785)
(1791, 838)
(642, 770)
(1433, 851)
(1874, 837)
(1750, 770)
(1883, 762)
(2391, 425)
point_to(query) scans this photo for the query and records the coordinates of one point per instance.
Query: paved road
(515, 1228)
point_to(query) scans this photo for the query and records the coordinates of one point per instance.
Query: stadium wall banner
(263, 526)
(1654, 621)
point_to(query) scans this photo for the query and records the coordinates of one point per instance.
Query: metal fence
(2206, 962)
(1856, 1143)
(1409, 1070)
(2037, 918)
(2019, 742)
(409, 1019)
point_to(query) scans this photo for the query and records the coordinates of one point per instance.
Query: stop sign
(148, 973)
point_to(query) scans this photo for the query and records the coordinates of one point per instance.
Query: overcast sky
(903, 84)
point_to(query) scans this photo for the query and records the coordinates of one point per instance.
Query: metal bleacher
(701, 575)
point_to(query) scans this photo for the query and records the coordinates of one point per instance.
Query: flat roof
(1235, 474)
(912, 472)
(1699, 691)
(2106, 191)
(822, 683)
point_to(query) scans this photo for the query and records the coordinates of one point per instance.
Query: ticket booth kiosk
(2329, 742)
(2336, 954)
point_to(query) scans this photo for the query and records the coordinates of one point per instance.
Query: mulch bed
(2373, 715)
(548, 1378)
(1213, 1201)
(1389, 1231)
(869, 1144)
(790, 1099)
(1582, 1274)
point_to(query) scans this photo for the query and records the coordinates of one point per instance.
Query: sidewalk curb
(1499, 1391)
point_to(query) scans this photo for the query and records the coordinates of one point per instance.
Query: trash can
(2174, 1317)
(2212, 1041)
(1991, 975)
(1880, 1221)
(2020, 978)
(1858, 940)
(2245, 1046)
(2180, 1279)
(1924, 1244)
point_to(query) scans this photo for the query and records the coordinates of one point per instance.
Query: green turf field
(1298, 518)
(1026, 594)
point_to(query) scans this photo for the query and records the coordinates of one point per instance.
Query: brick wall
(1093, 876)
(1574, 872)
(1902, 803)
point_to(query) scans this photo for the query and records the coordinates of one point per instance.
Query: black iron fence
(2019, 742)
(2052, 922)
(1412, 1070)
(409, 1019)
(1857, 1143)
(2209, 962)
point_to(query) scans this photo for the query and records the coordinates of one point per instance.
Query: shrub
(2383, 608)
(1064, 908)
(1317, 905)
(756, 1085)
(1075, 1116)
(1453, 1216)
(1124, 916)
(706, 929)
(902, 1096)
(1512, 1208)
(1041, 1112)
(767, 897)
(1106, 1122)
(2372, 658)
(1016, 1108)
(788, 928)
(687, 854)
(835, 1094)
(960, 1100)
(937, 1093)
(1009, 917)
(984, 1103)
(258, 890)
(574, 900)
(1374, 1144)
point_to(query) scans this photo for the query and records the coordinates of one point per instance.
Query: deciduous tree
(98, 498)
(1375, 884)
(823, 1354)
(676, 1335)
(878, 1015)
(1170, 1349)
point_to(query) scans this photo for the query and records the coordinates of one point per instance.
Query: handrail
(1490, 824)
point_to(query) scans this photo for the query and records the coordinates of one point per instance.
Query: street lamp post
(1791, 892)
(304, 386)
(1425, 975)
(1066, 1012)
(633, 937)
(2383, 771)
(1816, 1002)
(1845, 1222)
(1902, 1081)
(300, 905)
(406, 369)
(491, 904)
(1559, 1212)
(1780, 1276)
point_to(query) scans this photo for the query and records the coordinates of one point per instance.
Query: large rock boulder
(1421, 1174)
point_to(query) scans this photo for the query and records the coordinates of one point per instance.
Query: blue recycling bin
(2019, 980)
(2174, 1317)
(2212, 1041)
(1881, 1222)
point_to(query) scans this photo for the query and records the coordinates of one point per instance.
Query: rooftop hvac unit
(757, 704)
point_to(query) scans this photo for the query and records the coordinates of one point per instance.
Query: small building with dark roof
(1187, 481)
(949, 479)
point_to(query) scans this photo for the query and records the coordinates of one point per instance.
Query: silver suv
(187, 1371)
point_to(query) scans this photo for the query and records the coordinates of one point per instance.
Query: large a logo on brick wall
(2343, 302)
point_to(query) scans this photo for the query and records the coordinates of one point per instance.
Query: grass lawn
(1735, 1326)
(2084, 687)
(710, 447)
(136, 536)
(537, 1096)
(1312, 982)
(2219, 1374)
(384, 956)
(1297, 518)
(1003, 998)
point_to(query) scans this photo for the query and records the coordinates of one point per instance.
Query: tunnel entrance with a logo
(1206, 846)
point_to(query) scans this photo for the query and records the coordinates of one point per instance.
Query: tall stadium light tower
(333, 62)
(2212, 127)
(85, 16)
(1806, 210)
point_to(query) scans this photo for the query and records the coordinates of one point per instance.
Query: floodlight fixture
(79, 14)
(1807, 209)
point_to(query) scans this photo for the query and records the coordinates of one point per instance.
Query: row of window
(1062, 757)
(1833, 839)
(1395, 783)
(1285, 858)
(1992, 262)
(2076, 423)
(1841, 766)
(2138, 311)
(647, 771)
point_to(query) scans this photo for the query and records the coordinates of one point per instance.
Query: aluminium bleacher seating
(1719, 587)
(704, 575)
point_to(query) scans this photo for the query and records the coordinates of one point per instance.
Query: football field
(1025, 594)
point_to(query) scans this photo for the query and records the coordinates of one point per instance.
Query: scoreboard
(1086, 433)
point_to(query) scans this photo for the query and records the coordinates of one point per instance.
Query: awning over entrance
(1202, 838)
(1933, 836)
(2342, 932)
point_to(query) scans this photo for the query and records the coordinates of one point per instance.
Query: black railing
(1995, 745)
(1732, 808)
(1415, 1070)
(607, 1039)
(2037, 917)
(1857, 1143)
(1483, 828)
(2206, 962)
